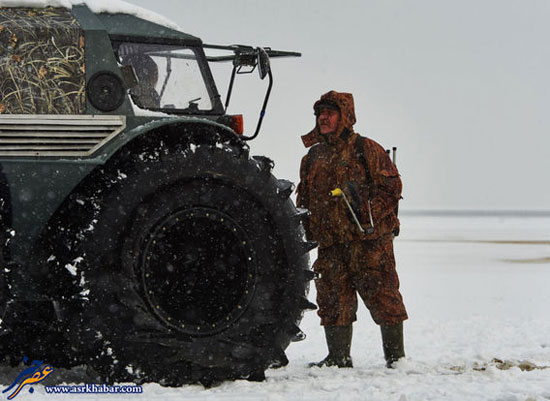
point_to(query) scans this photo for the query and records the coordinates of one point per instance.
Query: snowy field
(477, 292)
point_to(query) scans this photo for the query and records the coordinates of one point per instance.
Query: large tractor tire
(5, 237)
(191, 267)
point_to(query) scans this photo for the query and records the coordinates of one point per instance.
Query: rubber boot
(339, 347)
(392, 342)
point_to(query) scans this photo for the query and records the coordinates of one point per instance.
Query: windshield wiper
(168, 72)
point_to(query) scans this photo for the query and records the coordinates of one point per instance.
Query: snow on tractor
(138, 235)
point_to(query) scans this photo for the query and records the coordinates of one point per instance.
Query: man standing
(353, 256)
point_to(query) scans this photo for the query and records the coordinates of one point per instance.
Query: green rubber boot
(339, 347)
(392, 341)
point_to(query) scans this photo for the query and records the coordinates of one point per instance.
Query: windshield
(169, 78)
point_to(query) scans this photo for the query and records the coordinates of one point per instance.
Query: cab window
(168, 78)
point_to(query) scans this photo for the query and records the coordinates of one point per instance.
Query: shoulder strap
(312, 154)
(360, 150)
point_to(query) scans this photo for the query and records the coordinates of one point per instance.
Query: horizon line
(475, 212)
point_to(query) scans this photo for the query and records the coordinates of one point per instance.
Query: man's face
(328, 120)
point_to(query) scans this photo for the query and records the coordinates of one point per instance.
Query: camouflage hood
(344, 101)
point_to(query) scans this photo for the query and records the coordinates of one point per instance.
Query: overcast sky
(462, 88)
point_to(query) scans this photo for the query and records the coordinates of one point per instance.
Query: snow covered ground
(477, 292)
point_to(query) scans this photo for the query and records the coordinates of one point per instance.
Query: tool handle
(339, 192)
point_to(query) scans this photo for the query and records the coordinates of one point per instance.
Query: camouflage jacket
(334, 162)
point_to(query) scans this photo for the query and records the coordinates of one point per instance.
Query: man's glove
(355, 199)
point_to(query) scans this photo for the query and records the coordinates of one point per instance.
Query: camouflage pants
(364, 267)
